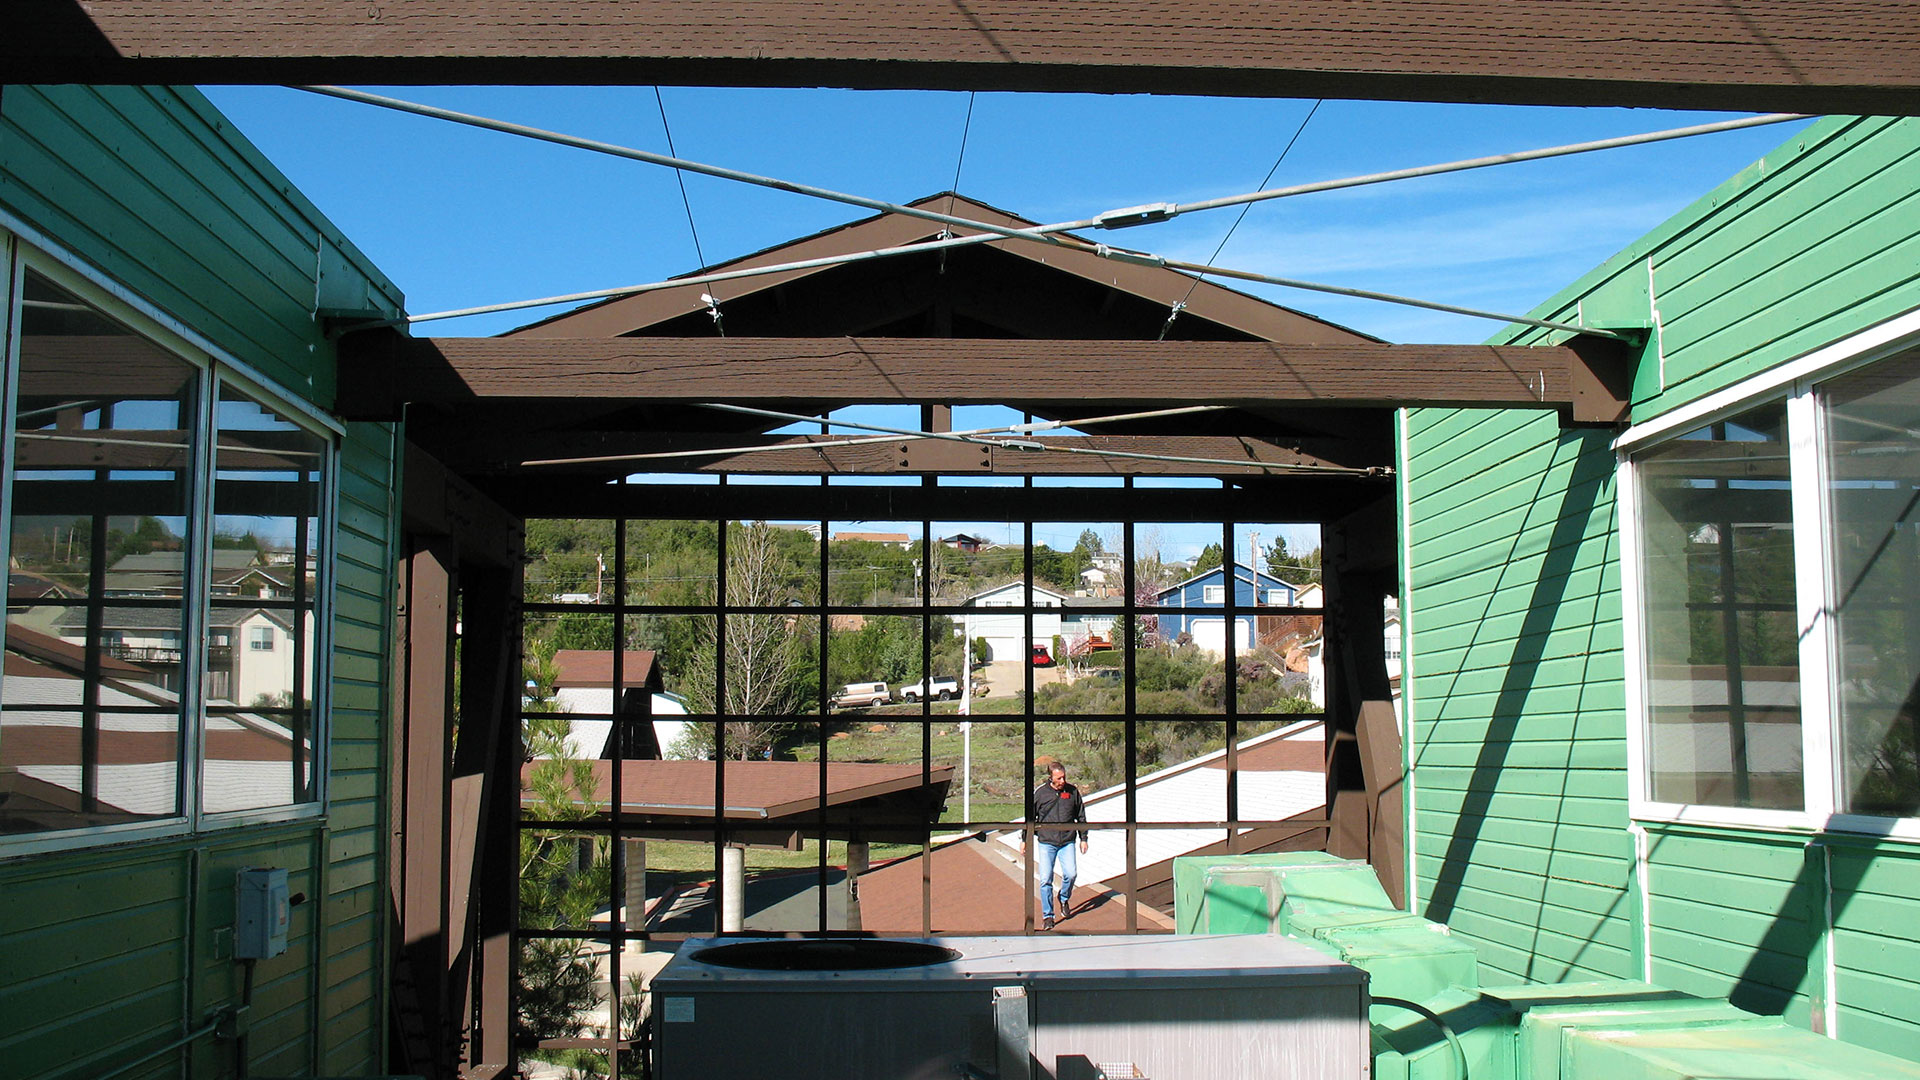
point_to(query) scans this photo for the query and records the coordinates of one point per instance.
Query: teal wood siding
(151, 186)
(108, 952)
(1876, 943)
(1817, 241)
(1738, 915)
(1520, 840)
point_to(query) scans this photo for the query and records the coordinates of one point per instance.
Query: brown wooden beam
(382, 371)
(440, 503)
(483, 866)
(1817, 56)
(582, 452)
(420, 883)
(1300, 499)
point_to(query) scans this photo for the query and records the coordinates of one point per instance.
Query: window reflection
(90, 722)
(1873, 429)
(1723, 669)
(268, 484)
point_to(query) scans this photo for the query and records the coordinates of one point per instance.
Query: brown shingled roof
(594, 667)
(755, 790)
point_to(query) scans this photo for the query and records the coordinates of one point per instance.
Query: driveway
(1006, 678)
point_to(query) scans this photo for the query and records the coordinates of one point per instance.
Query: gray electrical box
(260, 907)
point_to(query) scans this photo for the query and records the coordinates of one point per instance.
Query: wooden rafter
(1818, 56)
(617, 453)
(380, 372)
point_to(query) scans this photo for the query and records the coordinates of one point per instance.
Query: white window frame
(1797, 383)
(24, 248)
(1213, 594)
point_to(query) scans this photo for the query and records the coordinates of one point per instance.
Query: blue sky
(460, 217)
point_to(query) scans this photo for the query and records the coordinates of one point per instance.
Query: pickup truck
(940, 690)
(861, 695)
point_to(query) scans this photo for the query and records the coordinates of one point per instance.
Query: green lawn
(997, 776)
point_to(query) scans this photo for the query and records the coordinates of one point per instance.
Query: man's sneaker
(1046, 923)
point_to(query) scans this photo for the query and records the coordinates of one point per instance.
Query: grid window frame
(616, 826)
(25, 251)
(1801, 386)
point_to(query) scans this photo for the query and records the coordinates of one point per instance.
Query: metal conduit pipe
(202, 1032)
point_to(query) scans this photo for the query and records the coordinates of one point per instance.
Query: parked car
(1040, 657)
(941, 690)
(861, 695)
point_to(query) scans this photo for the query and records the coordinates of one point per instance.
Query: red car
(1041, 657)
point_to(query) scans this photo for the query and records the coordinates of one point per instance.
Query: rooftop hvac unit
(1009, 1008)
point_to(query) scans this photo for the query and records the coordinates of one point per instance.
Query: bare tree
(765, 651)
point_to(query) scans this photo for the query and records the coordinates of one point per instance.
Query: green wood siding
(1876, 944)
(108, 952)
(1518, 763)
(1512, 597)
(1739, 916)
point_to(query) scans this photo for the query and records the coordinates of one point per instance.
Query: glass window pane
(773, 564)
(875, 564)
(269, 482)
(570, 561)
(90, 719)
(1723, 676)
(1873, 490)
(672, 562)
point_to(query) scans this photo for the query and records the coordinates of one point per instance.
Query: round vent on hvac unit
(857, 954)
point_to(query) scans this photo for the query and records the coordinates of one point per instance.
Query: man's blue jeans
(1047, 856)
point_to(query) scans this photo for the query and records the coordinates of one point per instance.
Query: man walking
(1057, 801)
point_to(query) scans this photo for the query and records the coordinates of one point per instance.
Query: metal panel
(1206, 1008)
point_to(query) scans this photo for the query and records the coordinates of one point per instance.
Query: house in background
(1203, 594)
(1007, 634)
(583, 688)
(968, 543)
(1107, 575)
(899, 540)
(1090, 619)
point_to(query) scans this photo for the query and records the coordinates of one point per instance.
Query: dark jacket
(1064, 805)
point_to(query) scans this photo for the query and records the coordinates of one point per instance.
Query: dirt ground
(1005, 677)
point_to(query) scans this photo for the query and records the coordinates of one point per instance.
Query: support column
(1360, 569)
(419, 884)
(636, 890)
(857, 856)
(733, 888)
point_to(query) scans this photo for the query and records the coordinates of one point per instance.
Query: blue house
(1202, 599)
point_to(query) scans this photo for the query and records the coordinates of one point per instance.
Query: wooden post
(1360, 568)
(483, 858)
(636, 890)
(420, 885)
(856, 866)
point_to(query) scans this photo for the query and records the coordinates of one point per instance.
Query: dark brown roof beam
(618, 453)
(381, 371)
(1817, 56)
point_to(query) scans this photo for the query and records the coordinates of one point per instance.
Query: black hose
(1460, 1052)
